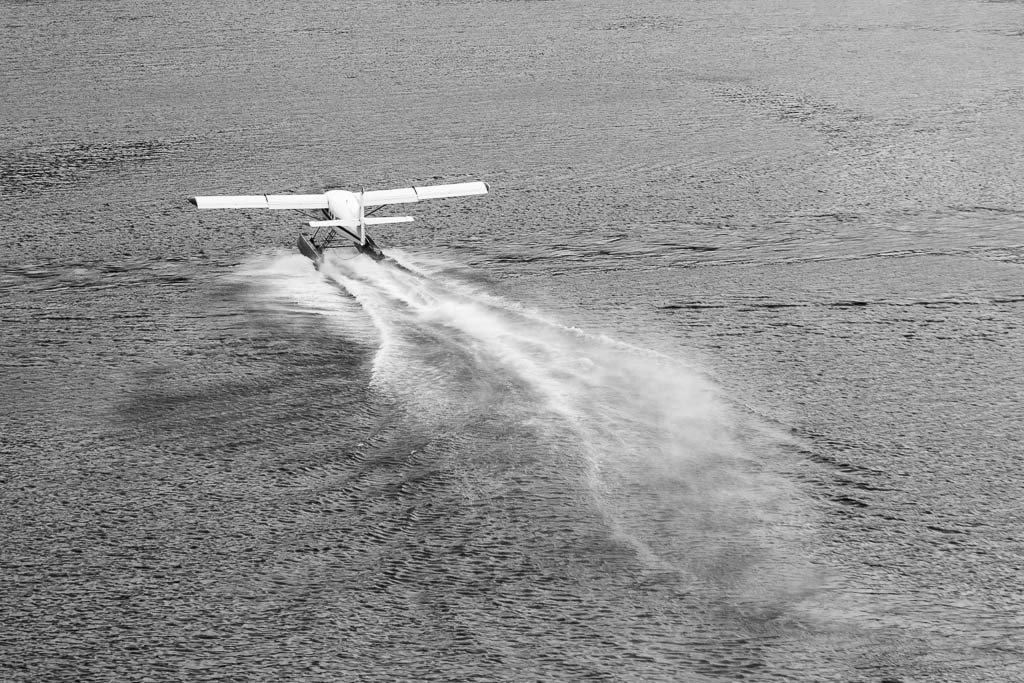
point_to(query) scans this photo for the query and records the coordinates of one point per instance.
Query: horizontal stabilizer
(369, 220)
(333, 224)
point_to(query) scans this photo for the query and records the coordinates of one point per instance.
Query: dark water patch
(690, 306)
(838, 124)
(746, 305)
(623, 253)
(771, 305)
(860, 485)
(645, 23)
(41, 168)
(829, 455)
(1006, 210)
(850, 501)
(55, 276)
(837, 237)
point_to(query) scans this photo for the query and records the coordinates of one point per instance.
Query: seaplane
(343, 218)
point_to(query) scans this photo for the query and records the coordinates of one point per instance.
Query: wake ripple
(660, 452)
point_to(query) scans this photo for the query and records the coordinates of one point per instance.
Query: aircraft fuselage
(343, 205)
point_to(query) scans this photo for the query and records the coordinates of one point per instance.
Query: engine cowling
(343, 205)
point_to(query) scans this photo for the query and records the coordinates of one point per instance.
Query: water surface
(720, 382)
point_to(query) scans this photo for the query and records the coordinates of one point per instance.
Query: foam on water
(665, 454)
(286, 283)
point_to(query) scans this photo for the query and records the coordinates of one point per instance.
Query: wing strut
(362, 219)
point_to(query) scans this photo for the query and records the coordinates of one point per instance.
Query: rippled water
(721, 382)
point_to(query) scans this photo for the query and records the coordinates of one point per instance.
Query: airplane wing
(403, 195)
(262, 201)
(406, 195)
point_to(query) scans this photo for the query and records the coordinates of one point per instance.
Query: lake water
(722, 380)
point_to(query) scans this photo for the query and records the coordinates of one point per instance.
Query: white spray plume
(668, 465)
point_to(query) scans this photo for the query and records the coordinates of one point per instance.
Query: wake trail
(665, 457)
(665, 452)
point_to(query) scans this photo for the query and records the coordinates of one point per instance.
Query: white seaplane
(343, 212)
